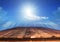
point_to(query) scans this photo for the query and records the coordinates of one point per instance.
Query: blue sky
(47, 14)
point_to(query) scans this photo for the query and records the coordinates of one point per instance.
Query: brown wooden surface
(31, 32)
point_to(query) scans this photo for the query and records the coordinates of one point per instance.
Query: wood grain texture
(30, 32)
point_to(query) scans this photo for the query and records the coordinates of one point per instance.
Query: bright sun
(29, 13)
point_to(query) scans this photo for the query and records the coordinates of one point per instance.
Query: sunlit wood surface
(30, 32)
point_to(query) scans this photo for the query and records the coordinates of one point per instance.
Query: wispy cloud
(57, 15)
(3, 13)
(44, 17)
(53, 25)
(7, 24)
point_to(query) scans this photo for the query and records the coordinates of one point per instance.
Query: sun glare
(29, 13)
